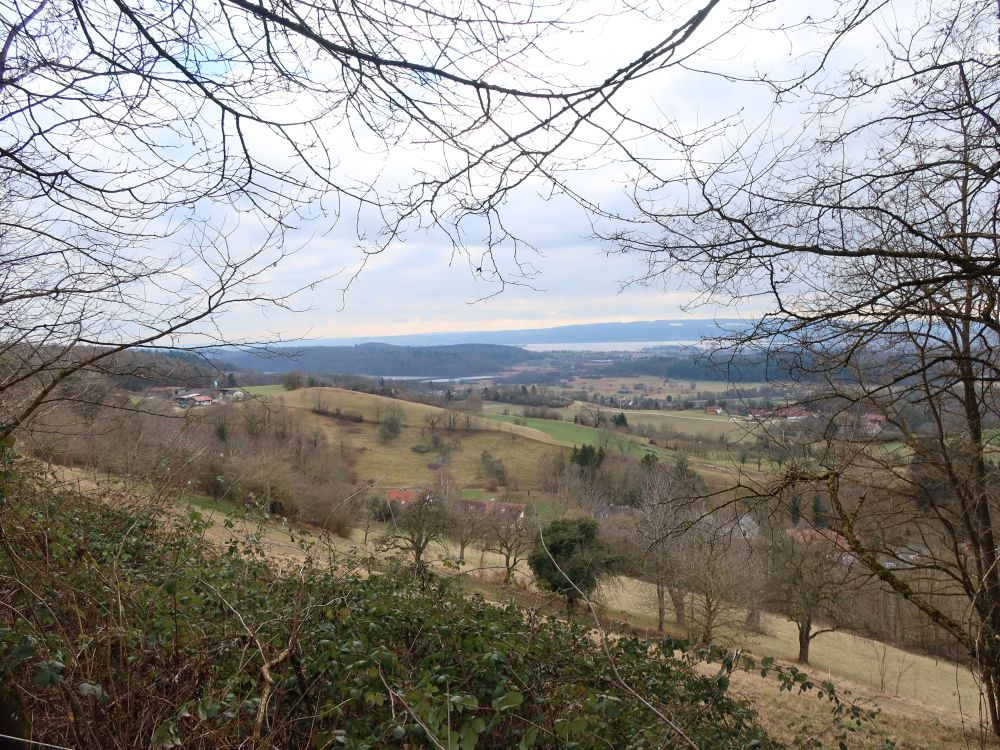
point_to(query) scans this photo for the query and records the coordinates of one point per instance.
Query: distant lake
(605, 346)
(441, 379)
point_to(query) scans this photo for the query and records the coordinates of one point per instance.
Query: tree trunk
(805, 638)
(753, 620)
(990, 688)
(661, 605)
(708, 621)
(677, 600)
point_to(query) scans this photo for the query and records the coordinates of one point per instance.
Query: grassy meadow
(524, 451)
(655, 387)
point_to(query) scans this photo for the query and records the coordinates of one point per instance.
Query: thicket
(122, 627)
(254, 454)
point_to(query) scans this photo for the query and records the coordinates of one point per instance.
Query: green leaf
(512, 699)
(21, 653)
(164, 737)
(88, 690)
(49, 673)
(208, 709)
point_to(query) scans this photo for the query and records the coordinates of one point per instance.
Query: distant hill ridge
(638, 330)
(371, 358)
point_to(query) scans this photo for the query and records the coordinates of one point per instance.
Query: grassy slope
(523, 448)
(569, 433)
(523, 451)
(926, 714)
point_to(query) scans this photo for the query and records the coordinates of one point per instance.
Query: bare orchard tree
(466, 526)
(874, 236)
(143, 144)
(812, 580)
(510, 536)
(415, 526)
(666, 512)
(722, 572)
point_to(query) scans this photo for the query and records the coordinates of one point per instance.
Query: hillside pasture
(396, 463)
(692, 423)
(569, 433)
(650, 386)
(926, 703)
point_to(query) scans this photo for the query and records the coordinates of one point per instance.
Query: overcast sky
(419, 285)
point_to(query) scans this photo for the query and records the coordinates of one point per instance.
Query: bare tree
(433, 419)
(666, 513)
(415, 526)
(141, 140)
(812, 579)
(467, 525)
(722, 573)
(872, 233)
(507, 535)
(391, 423)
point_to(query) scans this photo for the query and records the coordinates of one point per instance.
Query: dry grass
(396, 464)
(373, 407)
(926, 702)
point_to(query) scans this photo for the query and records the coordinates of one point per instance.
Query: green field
(692, 423)
(575, 434)
(265, 390)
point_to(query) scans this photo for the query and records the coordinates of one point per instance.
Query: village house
(872, 424)
(783, 413)
(401, 496)
(187, 400)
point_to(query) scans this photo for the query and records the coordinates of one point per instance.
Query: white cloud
(419, 284)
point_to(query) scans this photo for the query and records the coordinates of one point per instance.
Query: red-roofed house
(817, 536)
(873, 423)
(402, 496)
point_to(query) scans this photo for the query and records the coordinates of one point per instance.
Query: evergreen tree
(795, 509)
(569, 559)
(819, 517)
